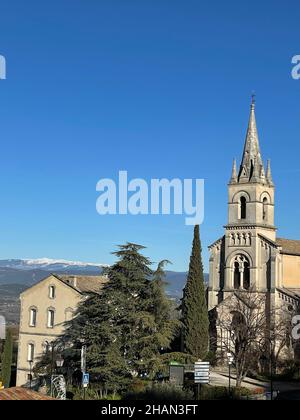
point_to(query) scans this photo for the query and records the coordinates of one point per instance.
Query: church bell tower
(251, 189)
(245, 257)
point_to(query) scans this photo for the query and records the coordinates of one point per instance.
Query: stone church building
(250, 255)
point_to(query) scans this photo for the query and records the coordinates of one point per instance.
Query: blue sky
(159, 88)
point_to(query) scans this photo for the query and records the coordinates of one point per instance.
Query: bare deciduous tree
(252, 329)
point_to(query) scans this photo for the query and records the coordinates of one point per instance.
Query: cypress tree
(6, 360)
(194, 305)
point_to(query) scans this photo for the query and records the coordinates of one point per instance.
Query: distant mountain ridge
(16, 275)
(29, 271)
(49, 264)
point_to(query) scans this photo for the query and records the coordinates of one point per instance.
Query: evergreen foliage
(6, 360)
(194, 307)
(127, 326)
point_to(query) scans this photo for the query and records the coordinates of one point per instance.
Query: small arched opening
(243, 208)
(265, 209)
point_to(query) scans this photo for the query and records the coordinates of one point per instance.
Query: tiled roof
(289, 246)
(83, 284)
(19, 393)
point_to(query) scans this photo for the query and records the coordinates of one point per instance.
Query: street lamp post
(30, 372)
(83, 366)
(57, 379)
(51, 370)
(230, 361)
(59, 362)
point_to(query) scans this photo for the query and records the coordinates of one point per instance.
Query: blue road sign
(85, 379)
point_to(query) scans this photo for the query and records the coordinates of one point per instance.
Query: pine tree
(194, 306)
(6, 360)
(126, 326)
(164, 327)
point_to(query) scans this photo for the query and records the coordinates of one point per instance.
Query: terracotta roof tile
(289, 246)
(19, 393)
(83, 284)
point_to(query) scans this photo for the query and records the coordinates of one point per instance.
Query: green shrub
(237, 393)
(76, 393)
(213, 392)
(160, 392)
(287, 371)
(222, 393)
(138, 385)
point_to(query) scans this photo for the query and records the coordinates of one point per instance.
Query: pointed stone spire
(251, 155)
(256, 172)
(233, 179)
(263, 174)
(269, 173)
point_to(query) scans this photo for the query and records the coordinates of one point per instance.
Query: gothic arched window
(241, 273)
(243, 207)
(237, 276)
(238, 319)
(246, 280)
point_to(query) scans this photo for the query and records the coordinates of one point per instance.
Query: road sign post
(85, 382)
(201, 375)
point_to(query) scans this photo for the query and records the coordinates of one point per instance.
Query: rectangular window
(32, 321)
(51, 292)
(30, 352)
(50, 318)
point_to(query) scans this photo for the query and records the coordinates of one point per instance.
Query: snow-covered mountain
(51, 265)
(30, 271)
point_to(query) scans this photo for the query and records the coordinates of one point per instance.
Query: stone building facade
(45, 307)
